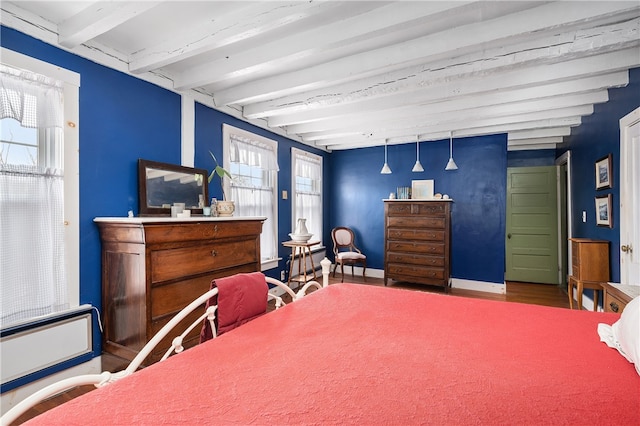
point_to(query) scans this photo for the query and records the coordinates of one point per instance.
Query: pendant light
(451, 165)
(386, 170)
(417, 167)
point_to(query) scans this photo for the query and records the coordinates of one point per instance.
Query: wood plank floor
(539, 294)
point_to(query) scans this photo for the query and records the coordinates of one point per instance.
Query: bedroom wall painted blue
(596, 137)
(122, 119)
(208, 137)
(531, 158)
(478, 189)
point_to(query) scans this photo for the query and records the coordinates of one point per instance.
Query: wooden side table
(590, 268)
(305, 251)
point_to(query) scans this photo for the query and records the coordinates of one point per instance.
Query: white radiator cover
(43, 346)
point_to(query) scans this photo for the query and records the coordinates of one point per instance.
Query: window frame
(71, 164)
(227, 130)
(294, 216)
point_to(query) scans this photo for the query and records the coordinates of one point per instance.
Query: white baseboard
(478, 286)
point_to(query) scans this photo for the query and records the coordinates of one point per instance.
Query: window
(252, 161)
(307, 191)
(39, 254)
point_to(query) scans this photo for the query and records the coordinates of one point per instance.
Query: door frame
(626, 123)
(565, 159)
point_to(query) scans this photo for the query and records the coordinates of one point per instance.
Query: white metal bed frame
(106, 377)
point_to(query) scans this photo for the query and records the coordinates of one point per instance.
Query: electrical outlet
(584, 216)
(282, 275)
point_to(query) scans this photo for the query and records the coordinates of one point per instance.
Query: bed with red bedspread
(356, 354)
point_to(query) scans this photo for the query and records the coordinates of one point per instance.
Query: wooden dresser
(416, 241)
(590, 268)
(153, 267)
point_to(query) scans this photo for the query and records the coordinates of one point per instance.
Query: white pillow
(624, 334)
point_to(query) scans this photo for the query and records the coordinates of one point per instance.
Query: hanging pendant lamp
(417, 167)
(386, 170)
(451, 165)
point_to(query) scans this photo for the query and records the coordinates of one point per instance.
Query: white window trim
(71, 131)
(227, 130)
(294, 152)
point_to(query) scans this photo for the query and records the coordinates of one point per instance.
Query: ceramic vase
(225, 208)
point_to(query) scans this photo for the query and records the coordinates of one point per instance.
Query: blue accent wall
(208, 137)
(478, 189)
(597, 137)
(122, 118)
(531, 158)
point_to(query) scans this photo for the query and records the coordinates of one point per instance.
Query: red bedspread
(354, 354)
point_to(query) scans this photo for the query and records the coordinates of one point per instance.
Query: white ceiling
(348, 74)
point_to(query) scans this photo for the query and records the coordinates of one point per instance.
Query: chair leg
(364, 268)
(342, 271)
(335, 266)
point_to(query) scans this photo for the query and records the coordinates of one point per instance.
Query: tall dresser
(417, 241)
(154, 267)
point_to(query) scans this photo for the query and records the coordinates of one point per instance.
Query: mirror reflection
(162, 185)
(166, 187)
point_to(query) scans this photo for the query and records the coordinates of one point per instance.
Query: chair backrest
(343, 239)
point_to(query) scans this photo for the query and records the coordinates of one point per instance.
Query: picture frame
(422, 189)
(604, 178)
(603, 211)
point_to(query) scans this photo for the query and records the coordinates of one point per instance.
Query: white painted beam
(554, 48)
(541, 74)
(539, 133)
(482, 101)
(363, 26)
(243, 21)
(97, 19)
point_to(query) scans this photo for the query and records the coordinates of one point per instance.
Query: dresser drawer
(418, 209)
(415, 247)
(415, 234)
(416, 222)
(177, 262)
(415, 259)
(415, 271)
(613, 303)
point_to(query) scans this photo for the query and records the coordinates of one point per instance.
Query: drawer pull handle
(214, 253)
(614, 306)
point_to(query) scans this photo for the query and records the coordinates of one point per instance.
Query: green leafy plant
(221, 173)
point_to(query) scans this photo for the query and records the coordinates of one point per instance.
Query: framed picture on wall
(603, 211)
(603, 173)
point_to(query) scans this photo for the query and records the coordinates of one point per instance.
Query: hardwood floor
(538, 294)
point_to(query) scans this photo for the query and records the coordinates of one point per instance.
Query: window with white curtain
(307, 191)
(38, 193)
(252, 160)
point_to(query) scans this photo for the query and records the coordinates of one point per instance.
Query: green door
(532, 225)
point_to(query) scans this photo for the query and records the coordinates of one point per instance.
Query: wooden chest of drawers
(153, 267)
(416, 241)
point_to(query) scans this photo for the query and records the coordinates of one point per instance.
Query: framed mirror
(160, 185)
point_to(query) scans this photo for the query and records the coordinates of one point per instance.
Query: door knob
(626, 249)
(509, 235)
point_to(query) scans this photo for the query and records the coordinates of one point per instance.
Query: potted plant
(223, 207)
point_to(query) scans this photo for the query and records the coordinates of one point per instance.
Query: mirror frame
(144, 208)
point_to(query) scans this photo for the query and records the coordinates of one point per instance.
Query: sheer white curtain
(253, 189)
(308, 196)
(32, 273)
